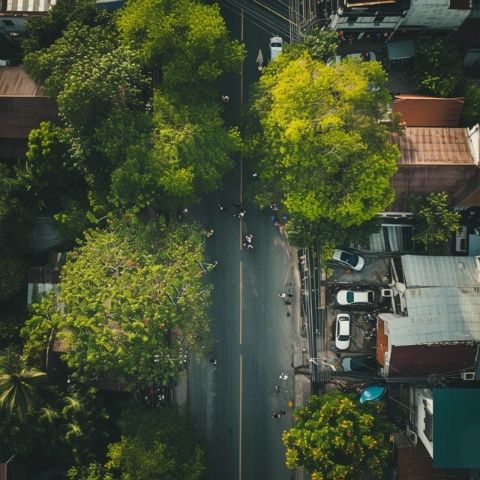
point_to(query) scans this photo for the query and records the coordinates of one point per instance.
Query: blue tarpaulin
(375, 392)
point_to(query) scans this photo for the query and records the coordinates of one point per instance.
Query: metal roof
(456, 428)
(440, 271)
(444, 314)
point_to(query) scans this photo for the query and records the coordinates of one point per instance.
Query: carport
(400, 51)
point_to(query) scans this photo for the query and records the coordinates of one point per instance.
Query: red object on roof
(421, 111)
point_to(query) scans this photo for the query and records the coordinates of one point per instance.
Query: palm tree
(19, 384)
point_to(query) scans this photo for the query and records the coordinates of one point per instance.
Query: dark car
(360, 364)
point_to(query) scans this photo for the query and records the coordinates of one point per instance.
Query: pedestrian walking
(225, 98)
(240, 214)
(273, 207)
(222, 207)
(283, 376)
(209, 233)
(282, 412)
(277, 389)
(276, 415)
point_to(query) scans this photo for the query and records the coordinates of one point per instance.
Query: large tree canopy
(319, 143)
(337, 437)
(189, 41)
(132, 301)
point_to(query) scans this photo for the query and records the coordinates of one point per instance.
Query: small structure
(23, 105)
(435, 327)
(25, 7)
(447, 423)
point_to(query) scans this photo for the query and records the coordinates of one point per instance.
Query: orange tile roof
(433, 146)
(422, 111)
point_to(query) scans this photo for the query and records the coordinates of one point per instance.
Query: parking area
(374, 277)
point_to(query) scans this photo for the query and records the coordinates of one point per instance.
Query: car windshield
(349, 258)
(349, 296)
(343, 338)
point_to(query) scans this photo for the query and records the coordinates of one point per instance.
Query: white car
(342, 331)
(355, 297)
(364, 56)
(349, 260)
(276, 47)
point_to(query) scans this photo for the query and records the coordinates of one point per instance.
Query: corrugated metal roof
(29, 5)
(422, 111)
(433, 146)
(440, 271)
(437, 314)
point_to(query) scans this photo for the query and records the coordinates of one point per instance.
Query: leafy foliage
(51, 66)
(129, 293)
(438, 67)
(187, 40)
(435, 222)
(43, 30)
(318, 142)
(13, 271)
(156, 444)
(337, 437)
(320, 45)
(471, 107)
(20, 386)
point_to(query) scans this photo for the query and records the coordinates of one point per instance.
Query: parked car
(355, 297)
(276, 47)
(361, 364)
(349, 260)
(365, 56)
(342, 331)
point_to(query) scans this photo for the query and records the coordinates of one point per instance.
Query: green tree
(319, 144)
(50, 173)
(156, 444)
(128, 293)
(471, 108)
(335, 436)
(188, 40)
(20, 385)
(438, 67)
(51, 66)
(43, 30)
(93, 88)
(435, 221)
(320, 45)
(13, 274)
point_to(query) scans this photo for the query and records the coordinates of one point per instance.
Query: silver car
(342, 331)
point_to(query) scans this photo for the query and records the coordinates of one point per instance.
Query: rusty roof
(433, 146)
(15, 82)
(458, 181)
(415, 463)
(423, 111)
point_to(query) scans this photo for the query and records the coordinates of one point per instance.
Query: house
(25, 7)
(435, 159)
(386, 17)
(446, 422)
(23, 105)
(435, 325)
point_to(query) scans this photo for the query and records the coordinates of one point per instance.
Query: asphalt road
(251, 332)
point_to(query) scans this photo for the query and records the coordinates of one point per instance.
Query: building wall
(433, 14)
(341, 22)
